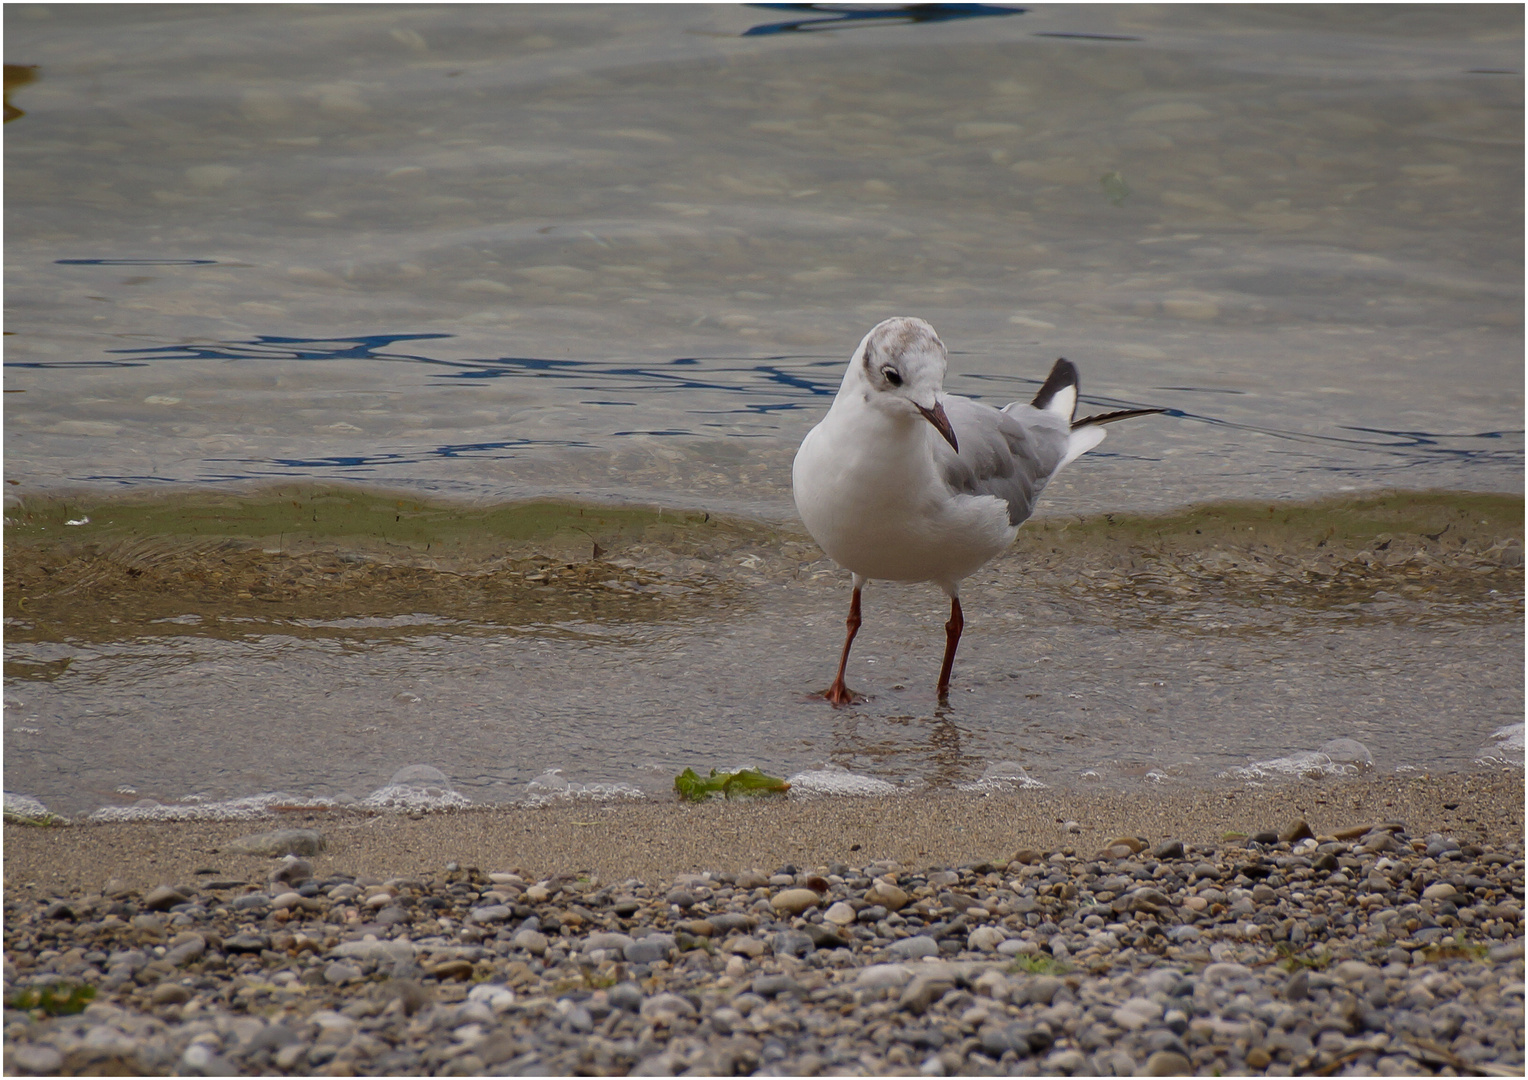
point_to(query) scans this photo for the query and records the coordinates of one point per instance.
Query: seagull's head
(901, 365)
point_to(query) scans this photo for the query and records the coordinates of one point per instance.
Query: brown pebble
(1027, 856)
(1168, 1063)
(794, 901)
(170, 993)
(887, 896)
(452, 969)
(1352, 832)
(163, 898)
(1297, 830)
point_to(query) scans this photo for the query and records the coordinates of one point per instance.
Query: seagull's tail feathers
(1089, 431)
(1059, 394)
(1110, 417)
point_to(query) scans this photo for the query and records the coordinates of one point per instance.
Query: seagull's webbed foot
(838, 695)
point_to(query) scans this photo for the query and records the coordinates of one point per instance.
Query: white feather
(1082, 440)
(1063, 403)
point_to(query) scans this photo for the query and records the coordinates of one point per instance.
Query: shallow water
(624, 252)
(220, 662)
(621, 255)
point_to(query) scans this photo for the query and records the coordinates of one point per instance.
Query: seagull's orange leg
(838, 693)
(952, 631)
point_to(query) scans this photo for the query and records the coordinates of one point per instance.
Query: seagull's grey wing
(1009, 455)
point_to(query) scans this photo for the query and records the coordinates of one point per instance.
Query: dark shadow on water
(136, 262)
(858, 16)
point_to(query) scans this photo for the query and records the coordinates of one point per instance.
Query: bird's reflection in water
(933, 747)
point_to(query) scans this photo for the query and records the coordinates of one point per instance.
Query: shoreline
(828, 937)
(651, 839)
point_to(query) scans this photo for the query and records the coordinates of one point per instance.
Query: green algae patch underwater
(98, 569)
(354, 517)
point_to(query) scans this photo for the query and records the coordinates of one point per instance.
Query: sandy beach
(1369, 926)
(652, 840)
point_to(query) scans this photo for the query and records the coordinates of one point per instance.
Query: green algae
(1340, 522)
(340, 517)
(307, 559)
(693, 787)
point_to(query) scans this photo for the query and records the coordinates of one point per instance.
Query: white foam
(1339, 757)
(834, 780)
(1506, 747)
(409, 797)
(1002, 776)
(421, 776)
(551, 786)
(31, 809)
(250, 806)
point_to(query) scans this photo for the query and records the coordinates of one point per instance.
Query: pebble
(279, 842)
(794, 901)
(1267, 955)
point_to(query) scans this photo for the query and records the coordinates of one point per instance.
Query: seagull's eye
(892, 376)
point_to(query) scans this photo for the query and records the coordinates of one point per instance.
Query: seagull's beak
(941, 423)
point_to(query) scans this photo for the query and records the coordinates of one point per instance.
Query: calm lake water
(623, 253)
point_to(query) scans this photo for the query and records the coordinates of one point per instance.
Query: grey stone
(37, 1058)
(824, 936)
(292, 871)
(913, 948)
(729, 921)
(1298, 986)
(532, 941)
(625, 995)
(1168, 849)
(650, 949)
(608, 941)
(667, 1004)
(792, 943)
(186, 951)
(340, 972)
(925, 989)
(163, 898)
(773, 985)
(279, 842)
(1037, 990)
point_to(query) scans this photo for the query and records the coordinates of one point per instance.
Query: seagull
(903, 482)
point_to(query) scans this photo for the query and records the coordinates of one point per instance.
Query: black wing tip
(1062, 375)
(1110, 417)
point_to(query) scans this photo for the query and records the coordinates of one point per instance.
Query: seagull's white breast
(869, 491)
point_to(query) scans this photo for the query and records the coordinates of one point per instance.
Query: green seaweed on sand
(46, 820)
(55, 999)
(1038, 965)
(1293, 959)
(695, 788)
(1455, 948)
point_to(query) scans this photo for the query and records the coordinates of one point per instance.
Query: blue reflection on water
(846, 17)
(136, 262)
(759, 387)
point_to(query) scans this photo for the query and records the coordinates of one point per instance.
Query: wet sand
(652, 840)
